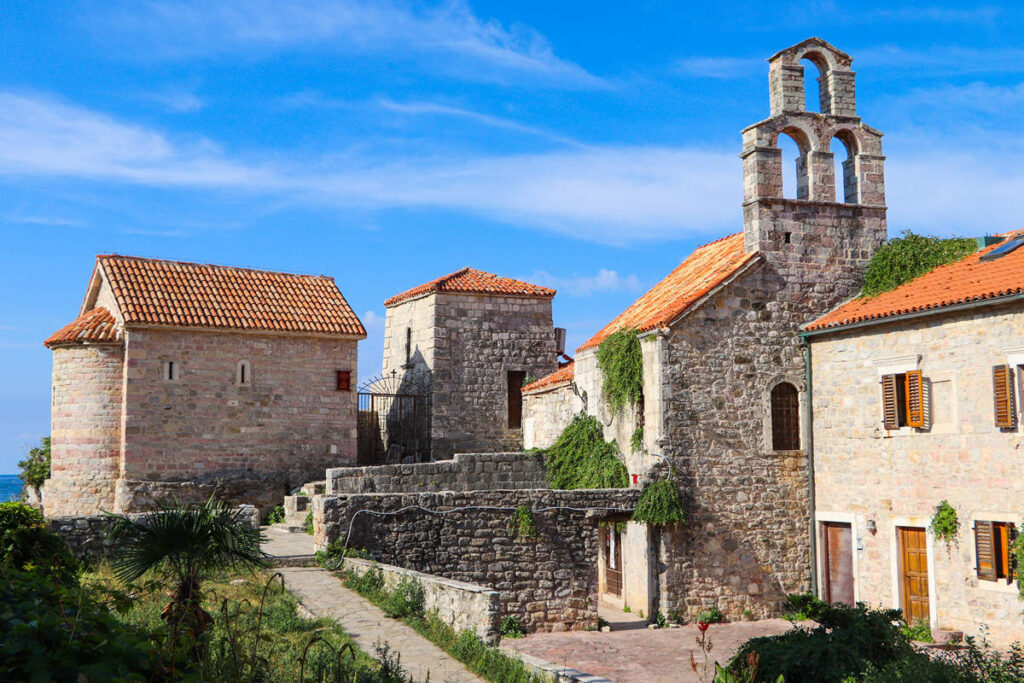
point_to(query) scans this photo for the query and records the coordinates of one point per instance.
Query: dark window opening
(516, 378)
(787, 237)
(344, 380)
(785, 418)
(408, 346)
(993, 552)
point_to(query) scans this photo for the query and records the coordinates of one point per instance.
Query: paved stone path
(288, 549)
(325, 596)
(641, 656)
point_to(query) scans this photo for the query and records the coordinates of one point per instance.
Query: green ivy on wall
(909, 256)
(945, 525)
(660, 504)
(636, 442)
(1017, 551)
(582, 459)
(622, 367)
(522, 526)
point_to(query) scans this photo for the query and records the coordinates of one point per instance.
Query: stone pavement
(325, 596)
(641, 655)
(288, 549)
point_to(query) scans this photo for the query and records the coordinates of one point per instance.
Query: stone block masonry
(459, 604)
(466, 472)
(549, 582)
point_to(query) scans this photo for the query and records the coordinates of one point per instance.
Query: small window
(992, 542)
(408, 346)
(785, 418)
(344, 380)
(903, 400)
(244, 376)
(170, 370)
(516, 378)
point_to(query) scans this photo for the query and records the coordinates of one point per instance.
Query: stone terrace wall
(467, 472)
(459, 604)
(549, 583)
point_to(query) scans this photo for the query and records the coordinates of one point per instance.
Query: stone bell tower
(816, 233)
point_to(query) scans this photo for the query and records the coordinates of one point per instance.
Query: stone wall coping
(370, 470)
(420, 576)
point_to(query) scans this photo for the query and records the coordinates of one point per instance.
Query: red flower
(703, 626)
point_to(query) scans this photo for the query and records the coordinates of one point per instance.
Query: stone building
(469, 341)
(916, 399)
(723, 369)
(181, 379)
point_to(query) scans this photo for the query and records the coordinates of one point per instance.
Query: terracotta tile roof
(176, 293)
(964, 281)
(706, 268)
(559, 376)
(472, 281)
(96, 326)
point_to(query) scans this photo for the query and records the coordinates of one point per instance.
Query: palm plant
(184, 544)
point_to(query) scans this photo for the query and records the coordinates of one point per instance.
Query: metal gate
(393, 422)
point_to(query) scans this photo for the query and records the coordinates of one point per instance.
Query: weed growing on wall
(909, 256)
(660, 504)
(1017, 550)
(636, 442)
(945, 525)
(582, 459)
(521, 526)
(621, 364)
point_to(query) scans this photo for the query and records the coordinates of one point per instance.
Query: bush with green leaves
(28, 544)
(275, 516)
(406, 600)
(521, 526)
(660, 504)
(511, 627)
(582, 459)
(804, 607)
(466, 646)
(945, 524)
(910, 256)
(35, 468)
(711, 615)
(621, 363)
(308, 524)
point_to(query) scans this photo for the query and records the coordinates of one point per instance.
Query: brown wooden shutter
(890, 412)
(985, 551)
(915, 398)
(344, 380)
(1002, 394)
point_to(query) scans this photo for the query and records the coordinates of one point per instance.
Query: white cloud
(940, 60)
(177, 100)
(40, 219)
(584, 285)
(435, 109)
(460, 41)
(372, 320)
(721, 67)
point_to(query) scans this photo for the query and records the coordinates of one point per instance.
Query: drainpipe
(809, 447)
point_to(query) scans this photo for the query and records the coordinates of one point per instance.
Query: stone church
(184, 380)
(723, 368)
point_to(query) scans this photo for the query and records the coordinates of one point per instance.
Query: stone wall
(546, 412)
(85, 429)
(204, 431)
(548, 583)
(897, 478)
(466, 472)
(459, 604)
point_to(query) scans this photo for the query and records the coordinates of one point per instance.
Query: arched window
(785, 418)
(795, 179)
(815, 89)
(244, 373)
(844, 147)
(408, 346)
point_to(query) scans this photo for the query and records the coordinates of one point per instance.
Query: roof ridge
(211, 265)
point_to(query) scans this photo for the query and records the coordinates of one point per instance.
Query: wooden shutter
(344, 380)
(915, 398)
(985, 551)
(1002, 395)
(890, 411)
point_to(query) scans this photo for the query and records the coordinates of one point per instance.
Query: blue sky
(587, 146)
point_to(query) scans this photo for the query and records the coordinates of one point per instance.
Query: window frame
(170, 370)
(1003, 534)
(343, 380)
(243, 373)
(512, 386)
(773, 409)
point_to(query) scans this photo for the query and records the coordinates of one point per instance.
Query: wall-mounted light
(870, 525)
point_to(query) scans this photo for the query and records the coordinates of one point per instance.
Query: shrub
(35, 468)
(276, 516)
(511, 627)
(660, 504)
(622, 369)
(308, 524)
(804, 606)
(909, 256)
(945, 525)
(370, 583)
(711, 615)
(919, 631)
(406, 600)
(27, 544)
(522, 526)
(847, 641)
(582, 459)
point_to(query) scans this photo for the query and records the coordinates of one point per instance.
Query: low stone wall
(459, 604)
(549, 582)
(466, 472)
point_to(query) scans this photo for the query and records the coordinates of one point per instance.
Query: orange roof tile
(706, 268)
(96, 326)
(155, 292)
(967, 280)
(472, 281)
(559, 376)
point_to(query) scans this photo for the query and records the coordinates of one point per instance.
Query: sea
(10, 487)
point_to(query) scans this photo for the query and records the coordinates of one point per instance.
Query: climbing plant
(582, 459)
(660, 504)
(521, 526)
(1017, 551)
(945, 525)
(909, 256)
(636, 442)
(621, 364)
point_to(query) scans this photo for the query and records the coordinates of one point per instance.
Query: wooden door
(914, 574)
(837, 542)
(612, 560)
